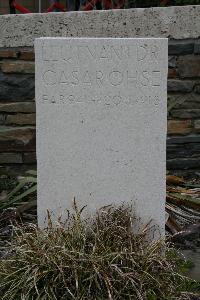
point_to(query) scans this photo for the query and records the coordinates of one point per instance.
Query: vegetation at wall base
(18, 200)
(18, 197)
(96, 258)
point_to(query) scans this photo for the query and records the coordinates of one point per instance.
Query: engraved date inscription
(109, 100)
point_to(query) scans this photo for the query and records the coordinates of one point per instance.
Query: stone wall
(183, 142)
(17, 106)
(17, 110)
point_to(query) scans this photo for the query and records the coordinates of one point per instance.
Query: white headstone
(101, 124)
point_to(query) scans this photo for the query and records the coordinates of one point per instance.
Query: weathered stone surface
(185, 113)
(179, 127)
(13, 107)
(197, 47)
(181, 47)
(29, 158)
(8, 53)
(197, 125)
(15, 87)
(19, 139)
(183, 163)
(181, 22)
(18, 66)
(175, 85)
(172, 73)
(189, 66)
(27, 55)
(21, 119)
(93, 129)
(10, 158)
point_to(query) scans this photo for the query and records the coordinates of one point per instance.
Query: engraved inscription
(105, 74)
(99, 78)
(146, 52)
(73, 54)
(115, 78)
(49, 77)
(108, 100)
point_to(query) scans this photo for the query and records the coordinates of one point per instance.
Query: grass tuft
(93, 259)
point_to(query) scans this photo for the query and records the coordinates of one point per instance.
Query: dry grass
(91, 259)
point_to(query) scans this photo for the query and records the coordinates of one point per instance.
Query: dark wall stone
(180, 47)
(29, 158)
(183, 163)
(197, 89)
(17, 139)
(172, 61)
(197, 47)
(189, 66)
(185, 113)
(183, 150)
(193, 138)
(17, 87)
(176, 85)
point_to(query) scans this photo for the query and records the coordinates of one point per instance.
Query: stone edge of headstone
(176, 22)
